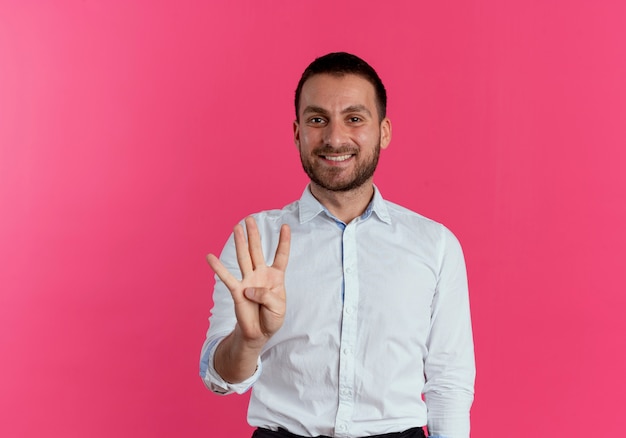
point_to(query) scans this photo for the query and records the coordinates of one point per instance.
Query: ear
(296, 133)
(385, 133)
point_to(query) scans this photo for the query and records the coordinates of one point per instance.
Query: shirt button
(347, 350)
(348, 270)
(349, 310)
(342, 427)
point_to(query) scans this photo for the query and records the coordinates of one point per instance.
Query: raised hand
(259, 296)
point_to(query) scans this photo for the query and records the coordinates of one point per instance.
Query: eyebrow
(312, 109)
(357, 109)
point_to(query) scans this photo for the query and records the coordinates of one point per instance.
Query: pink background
(134, 135)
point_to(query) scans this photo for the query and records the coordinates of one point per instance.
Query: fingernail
(249, 292)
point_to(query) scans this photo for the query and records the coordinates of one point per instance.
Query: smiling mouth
(337, 158)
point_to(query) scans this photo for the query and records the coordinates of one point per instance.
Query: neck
(345, 206)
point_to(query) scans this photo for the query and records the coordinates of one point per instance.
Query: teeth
(339, 158)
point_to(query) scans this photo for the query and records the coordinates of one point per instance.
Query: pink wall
(134, 135)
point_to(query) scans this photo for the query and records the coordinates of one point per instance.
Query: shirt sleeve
(449, 365)
(221, 323)
(214, 382)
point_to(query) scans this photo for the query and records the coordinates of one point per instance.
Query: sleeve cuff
(214, 381)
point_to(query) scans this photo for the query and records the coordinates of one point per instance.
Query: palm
(257, 322)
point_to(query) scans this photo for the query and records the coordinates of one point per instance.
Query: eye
(316, 120)
(355, 119)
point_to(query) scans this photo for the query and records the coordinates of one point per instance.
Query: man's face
(339, 134)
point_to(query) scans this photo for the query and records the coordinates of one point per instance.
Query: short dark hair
(342, 63)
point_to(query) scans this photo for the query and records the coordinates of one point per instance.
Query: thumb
(254, 294)
(263, 296)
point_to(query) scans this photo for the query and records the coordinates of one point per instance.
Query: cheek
(367, 138)
(308, 139)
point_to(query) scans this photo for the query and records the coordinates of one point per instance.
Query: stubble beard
(326, 178)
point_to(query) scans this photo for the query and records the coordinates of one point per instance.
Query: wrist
(246, 345)
(235, 358)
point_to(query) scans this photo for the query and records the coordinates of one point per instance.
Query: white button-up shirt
(377, 315)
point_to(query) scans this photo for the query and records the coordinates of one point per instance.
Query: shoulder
(411, 223)
(272, 219)
(403, 215)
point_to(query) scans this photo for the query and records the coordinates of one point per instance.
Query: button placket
(348, 333)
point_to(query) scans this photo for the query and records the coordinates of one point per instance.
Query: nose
(335, 134)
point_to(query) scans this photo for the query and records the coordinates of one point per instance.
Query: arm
(259, 302)
(449, 366)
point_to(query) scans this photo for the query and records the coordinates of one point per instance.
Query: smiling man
(342, 309)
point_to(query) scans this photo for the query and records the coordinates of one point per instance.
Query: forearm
(235, 359)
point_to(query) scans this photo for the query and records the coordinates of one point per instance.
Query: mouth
(337, 158)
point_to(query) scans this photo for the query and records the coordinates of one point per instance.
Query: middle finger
(254, 243)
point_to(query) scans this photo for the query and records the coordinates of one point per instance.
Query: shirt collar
(311, 207)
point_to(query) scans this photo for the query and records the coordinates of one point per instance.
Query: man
(342, 309)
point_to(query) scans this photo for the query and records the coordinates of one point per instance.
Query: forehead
(333, 92)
